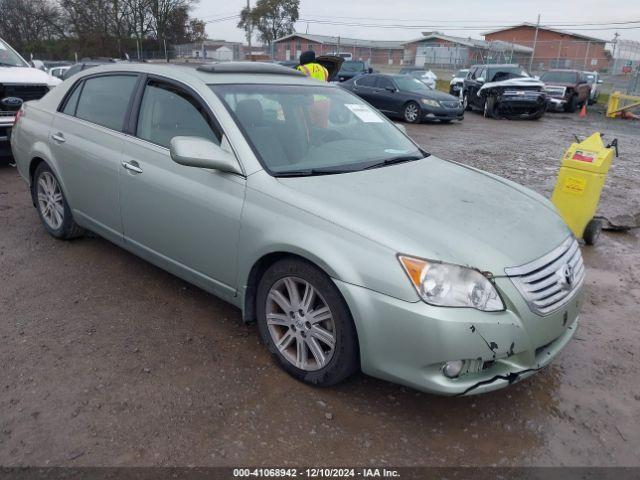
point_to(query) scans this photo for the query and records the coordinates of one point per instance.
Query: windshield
(8, 57)
(410, 84)
(506, 73)
(352, 66)
(313, 130)
(559, 77)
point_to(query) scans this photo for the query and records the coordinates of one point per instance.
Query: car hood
(436, 209)
(27, 76)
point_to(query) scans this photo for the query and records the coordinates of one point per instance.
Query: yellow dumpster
(580, 181)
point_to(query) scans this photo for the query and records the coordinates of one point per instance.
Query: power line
(451, 27)
(506, 22)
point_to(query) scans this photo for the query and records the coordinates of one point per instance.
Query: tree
(272, 18)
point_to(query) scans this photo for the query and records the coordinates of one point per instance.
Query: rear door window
(72, 102)
(104, 100)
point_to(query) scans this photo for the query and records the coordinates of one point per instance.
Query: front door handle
(132, 166)
(58, 137)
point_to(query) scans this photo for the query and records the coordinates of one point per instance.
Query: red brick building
(556, 48)
(447, 51)
(375, 52)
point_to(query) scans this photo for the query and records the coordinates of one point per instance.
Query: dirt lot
(107, 360)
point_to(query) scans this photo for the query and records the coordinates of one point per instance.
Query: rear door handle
(132, 166)
(58, 137)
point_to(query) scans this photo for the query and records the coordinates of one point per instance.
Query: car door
(479, 79)
(185, 219)
(387, 96)
(470, 84)
(364, 87)
(86, 143)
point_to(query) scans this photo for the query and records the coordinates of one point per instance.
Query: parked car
(594, 81)
(405, 97)
(81, 66)
(425, 76)
(19, 83)
(568, 90)
(503, 91)
(457, 81)
(349, 245)
(289, 63)
(352, 68)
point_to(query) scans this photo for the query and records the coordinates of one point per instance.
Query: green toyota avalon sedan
(349, 245)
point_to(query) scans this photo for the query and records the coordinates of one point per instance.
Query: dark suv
(568, 90)
(503, 91)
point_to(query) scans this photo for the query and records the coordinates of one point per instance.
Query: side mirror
(600, 81)
(480, 79)
(199, 152)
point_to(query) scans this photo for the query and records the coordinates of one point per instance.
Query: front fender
(271, 225)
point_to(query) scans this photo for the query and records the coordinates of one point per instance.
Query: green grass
(442, 85)
(603, 98)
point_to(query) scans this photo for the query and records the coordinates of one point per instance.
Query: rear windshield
(352, 66)
(560, 77)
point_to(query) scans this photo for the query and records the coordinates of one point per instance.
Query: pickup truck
(19, 83)
(567, 90)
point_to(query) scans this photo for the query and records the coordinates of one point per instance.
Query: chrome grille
(549, 282)
(450, 104)
(7, 114)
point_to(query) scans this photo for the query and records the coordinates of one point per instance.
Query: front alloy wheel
(412, 112)
(305, 323)
(300, 324)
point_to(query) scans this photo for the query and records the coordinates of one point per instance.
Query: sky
(461, 17)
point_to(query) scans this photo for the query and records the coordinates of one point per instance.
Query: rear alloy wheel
(412, 112)
(305, 323)
(52, 206)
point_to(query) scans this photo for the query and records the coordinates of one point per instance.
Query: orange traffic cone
(583, 110)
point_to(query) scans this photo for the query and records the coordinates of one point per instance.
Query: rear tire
(52, 205)
(293, 299)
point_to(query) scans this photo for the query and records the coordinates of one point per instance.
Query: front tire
(411, 112)
(52, 205)
(305, 323)
(571, 105)
(592, 231)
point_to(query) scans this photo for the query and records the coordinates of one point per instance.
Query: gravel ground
(107, 360)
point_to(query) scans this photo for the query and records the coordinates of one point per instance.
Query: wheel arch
(261, 265)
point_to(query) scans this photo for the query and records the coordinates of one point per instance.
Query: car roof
(231, 72)
(497, 65)
(562, 70)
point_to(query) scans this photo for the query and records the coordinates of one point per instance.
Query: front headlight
(446, 285)
(429, 102)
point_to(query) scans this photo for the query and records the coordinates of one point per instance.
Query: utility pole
(535, 41)
(249, 28)
(613, 53)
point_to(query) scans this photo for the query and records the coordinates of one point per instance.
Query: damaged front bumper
(409, 342)
(556, 104)
(521, 105)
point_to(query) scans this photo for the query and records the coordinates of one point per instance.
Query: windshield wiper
(312, 172)
(395, 161)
